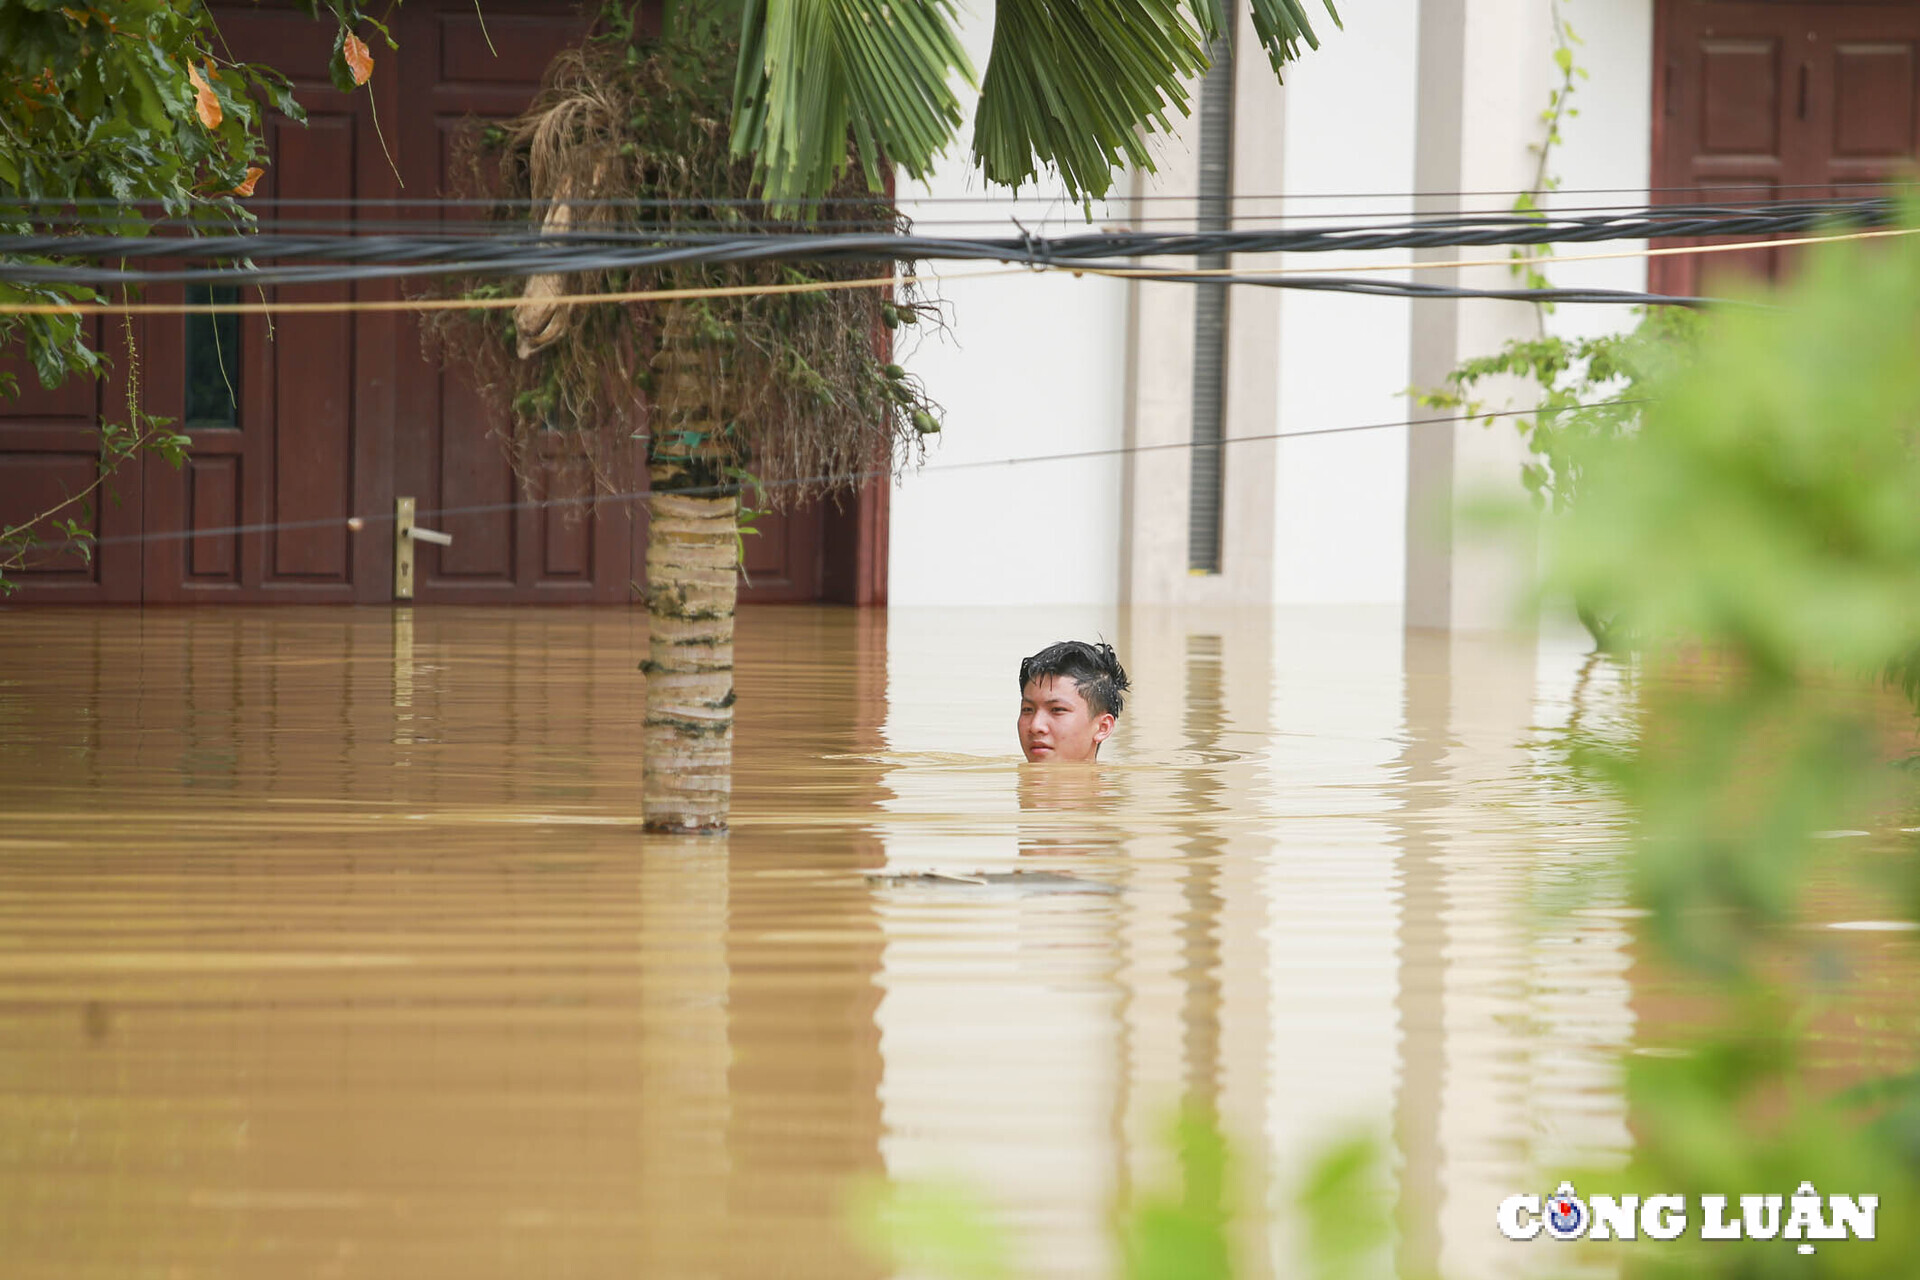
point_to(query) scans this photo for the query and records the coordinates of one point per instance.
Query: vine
(1589, 389)
(1524, 259)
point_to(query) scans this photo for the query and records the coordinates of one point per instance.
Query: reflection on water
(330, 944)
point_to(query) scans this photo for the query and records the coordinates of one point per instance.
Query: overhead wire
(1080, 254)
(358, 523)
(47, 259)
(352, 255)
(1876, 184)
(352, 219)
(1277, 277)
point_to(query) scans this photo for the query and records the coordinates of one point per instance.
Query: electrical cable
(641, 496)
(353, 223)
(1271, 277)
(422, 202)
(532, 251)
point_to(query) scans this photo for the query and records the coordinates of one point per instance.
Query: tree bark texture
(693, 561)
(692, 567)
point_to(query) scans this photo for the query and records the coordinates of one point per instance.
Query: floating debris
(1034, 881)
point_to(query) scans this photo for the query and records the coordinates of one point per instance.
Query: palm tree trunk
(692, 573)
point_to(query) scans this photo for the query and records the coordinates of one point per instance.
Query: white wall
(1340, 504)
(1051, 365)
(1033, 365)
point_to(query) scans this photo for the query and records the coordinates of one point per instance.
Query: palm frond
(811, 70)
(1211, 15)
(1282, 26)
(1073, 85)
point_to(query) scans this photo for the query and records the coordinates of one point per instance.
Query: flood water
(330, 944)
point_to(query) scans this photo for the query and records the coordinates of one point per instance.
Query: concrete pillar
(1485, 69)
(1160, 361)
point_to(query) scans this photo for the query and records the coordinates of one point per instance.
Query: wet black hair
(1094, 669)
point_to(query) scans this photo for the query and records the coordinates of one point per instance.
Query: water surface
(330, 944)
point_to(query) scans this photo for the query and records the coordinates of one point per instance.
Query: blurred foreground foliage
(1753, 550)
(1747, 542)
(1182, 1229)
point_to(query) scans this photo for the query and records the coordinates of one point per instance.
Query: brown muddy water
(330, 944)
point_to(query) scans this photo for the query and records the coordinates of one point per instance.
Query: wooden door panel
(1873, 101)
(783, 558)
(213, 493)
(303, 446)
(1756, 102)
(506, 546)
(506, 50)
(1740, 98)
(50, 450)
(187, 556)
(470, 471)
(309, 433)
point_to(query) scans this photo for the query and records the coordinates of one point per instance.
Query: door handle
(405, 534)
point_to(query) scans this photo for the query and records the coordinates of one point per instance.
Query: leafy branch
(122, 119)
(119, 441)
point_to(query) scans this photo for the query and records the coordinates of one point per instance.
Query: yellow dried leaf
(359, 59)
(205, 104)
(246, 187)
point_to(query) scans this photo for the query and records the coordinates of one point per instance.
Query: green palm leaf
(1071, 85)
(812, 70)
(1282, 26)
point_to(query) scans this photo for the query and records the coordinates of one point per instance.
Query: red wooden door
(1757, 102)
(49, 451)
(514, 539)
(299, 422)
(288, 416)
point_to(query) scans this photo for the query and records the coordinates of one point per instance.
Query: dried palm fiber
(801, 389)
(794, 389)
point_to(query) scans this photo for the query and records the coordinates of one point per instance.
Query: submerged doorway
(299, 425)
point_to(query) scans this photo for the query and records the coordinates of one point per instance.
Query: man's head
(1070, 695)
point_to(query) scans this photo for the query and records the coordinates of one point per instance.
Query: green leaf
(337, 67)
(1074, 88)
(933, 1229)
(812, 72)
(1282, 27)
(1210, 16)
(278, 91)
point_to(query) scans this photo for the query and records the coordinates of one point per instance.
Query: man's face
(1056, 723)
